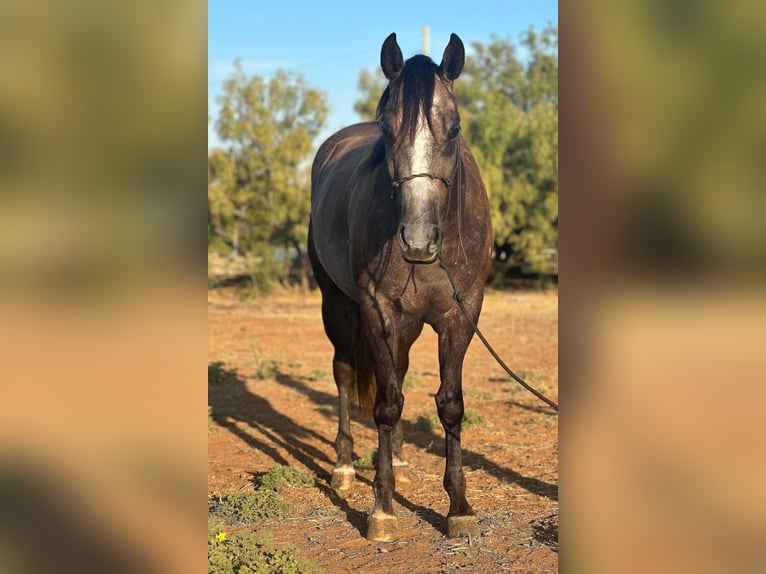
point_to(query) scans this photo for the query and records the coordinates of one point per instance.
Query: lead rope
(459, 298)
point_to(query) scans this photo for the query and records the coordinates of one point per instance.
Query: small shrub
(281, 476)
(427, 423)
(269, 369)
(368, 461)
(246, 553)
(472, 419)
(246, 508)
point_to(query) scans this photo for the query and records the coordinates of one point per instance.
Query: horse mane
(412, 90)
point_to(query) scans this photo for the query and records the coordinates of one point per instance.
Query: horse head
(420, 126)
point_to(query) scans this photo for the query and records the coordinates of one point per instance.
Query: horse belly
(329, 217)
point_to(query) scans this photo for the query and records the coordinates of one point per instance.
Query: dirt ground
(280, 408)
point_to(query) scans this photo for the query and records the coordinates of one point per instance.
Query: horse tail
(366, 388)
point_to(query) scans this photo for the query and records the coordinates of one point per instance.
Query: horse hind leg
(340, 319)
(400, 464)
(340, 316)
(343, 475)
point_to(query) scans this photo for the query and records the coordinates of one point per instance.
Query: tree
(371, 85)
(258, 186)
(510, 119)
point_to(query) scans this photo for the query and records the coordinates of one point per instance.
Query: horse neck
(456, 202)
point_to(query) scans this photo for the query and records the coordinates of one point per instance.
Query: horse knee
(450, 408)
(388, 408)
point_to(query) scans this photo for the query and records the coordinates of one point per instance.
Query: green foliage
(281, 476)
(269, 369)
(243, 552)
(247, 507)
(367, 461)
(473, 419)
(430, 423)
(427, 423)
(510, 119)
(258, 186)
(371, 85)
(246, 553)
(509, 116)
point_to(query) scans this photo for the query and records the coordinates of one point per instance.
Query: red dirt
(289, 417)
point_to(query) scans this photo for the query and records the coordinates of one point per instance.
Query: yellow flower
(221, 536)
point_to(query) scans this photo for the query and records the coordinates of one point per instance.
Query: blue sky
(330, 42)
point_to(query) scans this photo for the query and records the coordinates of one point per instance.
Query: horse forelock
(411, 92)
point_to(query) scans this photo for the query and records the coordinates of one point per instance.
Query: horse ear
(453, 58)
(391, 60)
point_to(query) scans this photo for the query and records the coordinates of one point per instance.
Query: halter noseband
(446, 181)
(400, 181)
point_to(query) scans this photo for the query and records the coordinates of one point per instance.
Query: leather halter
(401, 180)
(446, 181)
(458, 171)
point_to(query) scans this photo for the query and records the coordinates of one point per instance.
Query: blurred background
(103, 127)
(662, 296)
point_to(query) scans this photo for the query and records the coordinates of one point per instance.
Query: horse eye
(453, 131)
(388, 133)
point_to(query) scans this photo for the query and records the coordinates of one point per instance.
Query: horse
(399, 214)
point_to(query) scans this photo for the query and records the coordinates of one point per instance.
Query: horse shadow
(426, 440)
(233, 403)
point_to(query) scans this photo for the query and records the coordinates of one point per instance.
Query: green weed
(246, 553)
(281, 476)
(368, 461)
(269, 369)
(247, 507)
(473, 419)
(427, 423)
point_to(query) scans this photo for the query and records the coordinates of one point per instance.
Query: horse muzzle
(420, 243)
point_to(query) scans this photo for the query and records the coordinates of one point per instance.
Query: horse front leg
(453, 344)
(389, 401)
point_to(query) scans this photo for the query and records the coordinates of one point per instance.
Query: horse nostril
(402, 238)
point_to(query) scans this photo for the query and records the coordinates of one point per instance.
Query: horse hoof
(462, 526)
(381, 527)
(402, 472)
(343, 478)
